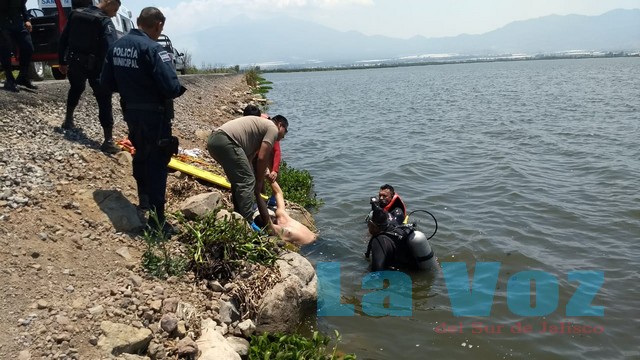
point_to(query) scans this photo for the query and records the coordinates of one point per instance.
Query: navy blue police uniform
(13, 15)
(142, 72)
(84, 42)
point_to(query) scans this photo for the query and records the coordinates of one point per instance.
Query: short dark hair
(251, 110)
(279, 119)
(80, 3)
(149, 17)
(388, 187)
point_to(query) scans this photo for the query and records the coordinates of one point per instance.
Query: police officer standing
(142, 72)
(84, 42)
(15, 26)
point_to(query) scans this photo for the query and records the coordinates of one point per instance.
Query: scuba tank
(421, 250)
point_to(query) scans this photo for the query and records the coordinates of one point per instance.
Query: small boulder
(187, 348)
(120, 338)
(214, 346)
(200, 204)
(240, 345)
(169, 322)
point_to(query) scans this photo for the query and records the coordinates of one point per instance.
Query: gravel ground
(64, 268)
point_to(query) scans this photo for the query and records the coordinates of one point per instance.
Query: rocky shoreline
(73, 286)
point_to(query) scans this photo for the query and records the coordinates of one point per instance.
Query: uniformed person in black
(88, 35)
(387, 247)
(142, 72)
(15, 27)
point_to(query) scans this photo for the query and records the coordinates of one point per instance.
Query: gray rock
(216, 286)
(96, 310)
(169, 322)
(118, 210)
(200, 204)
(120, 338)
(24, 355)
(132, 357)
(155, 305)
(42, 304)
(247, 327)
(227, 216)
(228, 313)
(157, 351)
(170, 305)
(283, 307)
(136, 280)
(187, 348)
(124, 252)
(223, 329)
(239, 345)
(214, 346)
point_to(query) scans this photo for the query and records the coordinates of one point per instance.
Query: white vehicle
(176, 56)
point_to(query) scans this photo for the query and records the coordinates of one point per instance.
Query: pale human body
(287, 228)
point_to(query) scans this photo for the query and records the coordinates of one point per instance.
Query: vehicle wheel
(36, 71)
(183, 71)
(57, 74)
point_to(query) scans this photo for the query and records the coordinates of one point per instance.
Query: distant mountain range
(283, 40)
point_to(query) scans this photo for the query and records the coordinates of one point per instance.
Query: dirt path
(63, 267)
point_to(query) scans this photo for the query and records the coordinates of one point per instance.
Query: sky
(393, 18)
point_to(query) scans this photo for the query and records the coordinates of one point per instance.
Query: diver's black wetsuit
(389, 250)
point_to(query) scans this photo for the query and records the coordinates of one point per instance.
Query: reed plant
(294, 347)
(219, 247)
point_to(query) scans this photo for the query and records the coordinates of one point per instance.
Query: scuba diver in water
(387, 248)
(394, 247)
(392, 203)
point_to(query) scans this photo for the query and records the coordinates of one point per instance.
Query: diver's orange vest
(392, 204)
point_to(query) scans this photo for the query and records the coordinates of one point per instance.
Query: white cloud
(189, 16)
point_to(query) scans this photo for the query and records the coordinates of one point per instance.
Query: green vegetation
(219, 247)
(294, 347)
(258, 84)
(297, 186)
(211, 69)
(158, 260)
(252, 77)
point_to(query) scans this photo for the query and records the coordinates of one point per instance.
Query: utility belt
(87, 61)
(170, 145)
(165, 108)
(155, 107)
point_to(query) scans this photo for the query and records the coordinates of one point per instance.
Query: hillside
(295, 41)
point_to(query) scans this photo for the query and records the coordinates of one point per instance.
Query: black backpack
(86, 36)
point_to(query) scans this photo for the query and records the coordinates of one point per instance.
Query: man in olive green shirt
(234, 145)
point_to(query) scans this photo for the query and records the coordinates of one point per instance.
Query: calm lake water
(532, 164)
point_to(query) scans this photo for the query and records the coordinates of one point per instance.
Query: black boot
(10, 85)
(68, 121)
(23, 81)
(143, 200)
(109, 146)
